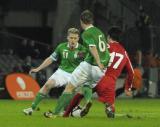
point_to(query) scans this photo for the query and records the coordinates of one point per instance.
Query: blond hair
(73, 31)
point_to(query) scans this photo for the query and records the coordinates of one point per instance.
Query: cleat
(110, 113)
(86, 109)
(37, 109)
(28, 111)
(49, 114)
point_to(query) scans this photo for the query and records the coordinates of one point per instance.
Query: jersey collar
(75, 47)
(89, 27)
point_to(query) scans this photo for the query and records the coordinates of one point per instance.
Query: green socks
(37, 100)
(63, 101)
(87, 92)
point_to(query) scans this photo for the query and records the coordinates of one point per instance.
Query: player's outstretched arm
(130, 76)
(45, 64)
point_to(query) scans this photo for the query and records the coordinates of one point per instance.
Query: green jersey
(94, 37)
(69, 58)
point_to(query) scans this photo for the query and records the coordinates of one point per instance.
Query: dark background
(31, 29)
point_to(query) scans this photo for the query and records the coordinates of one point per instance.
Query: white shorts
(61, 77)
(85, 73)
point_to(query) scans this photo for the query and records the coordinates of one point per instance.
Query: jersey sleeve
(130, 73)
(54, 56)
(88, 40)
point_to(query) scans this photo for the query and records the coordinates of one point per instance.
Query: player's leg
(79, 76)
(96, 74)
(40, 95)
(109, 103)
(59, 78)
(43, 92)
(106, 93)
(90, 71)
(63, 101)
(73, 103)
(87, 92)
(110, 110)
(65, 98)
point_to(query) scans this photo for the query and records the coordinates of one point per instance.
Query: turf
(143, 112)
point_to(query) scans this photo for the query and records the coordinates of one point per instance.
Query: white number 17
(117, 63)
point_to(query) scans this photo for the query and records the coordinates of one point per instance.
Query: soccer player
(71, 54)
(119, 59)
(106, 86)
(91, 69)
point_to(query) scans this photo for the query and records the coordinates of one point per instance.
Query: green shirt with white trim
(69, 58)
(93, 36)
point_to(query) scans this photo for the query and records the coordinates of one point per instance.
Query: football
(76, 112)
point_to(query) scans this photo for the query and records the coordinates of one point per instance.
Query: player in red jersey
(119, 60)
(105, 89)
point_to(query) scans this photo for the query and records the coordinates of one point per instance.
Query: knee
(47, 87)
(69, 88)
(49, 84)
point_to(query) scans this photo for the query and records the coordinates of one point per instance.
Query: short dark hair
(87, 17)
(115, 33)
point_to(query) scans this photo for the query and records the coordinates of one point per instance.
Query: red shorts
(106, 90)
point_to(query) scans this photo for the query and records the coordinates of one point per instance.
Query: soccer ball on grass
(76, 112)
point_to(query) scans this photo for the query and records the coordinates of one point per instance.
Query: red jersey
(118, 61)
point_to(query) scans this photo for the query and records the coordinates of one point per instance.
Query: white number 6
(102, 45)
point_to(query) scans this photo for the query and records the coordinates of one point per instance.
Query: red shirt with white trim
(119, 60)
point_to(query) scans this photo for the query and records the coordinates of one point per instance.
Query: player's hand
(128, 92)
(81, 55)
(33, 70)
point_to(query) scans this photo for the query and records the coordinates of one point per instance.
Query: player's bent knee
(47, 86)
(50, 83)
(69, 88)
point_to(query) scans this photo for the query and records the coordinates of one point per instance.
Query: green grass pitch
(144, 112)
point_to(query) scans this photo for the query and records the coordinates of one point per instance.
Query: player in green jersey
(91, 69)
(70, 53)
